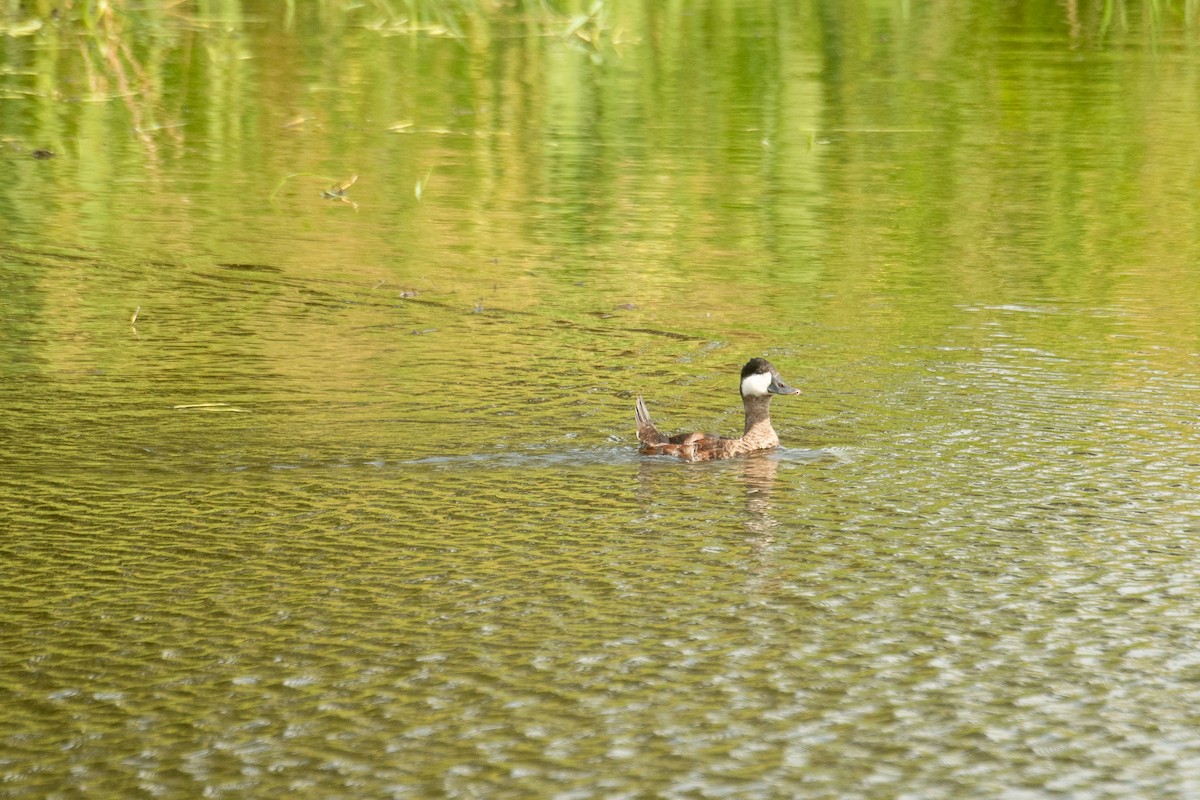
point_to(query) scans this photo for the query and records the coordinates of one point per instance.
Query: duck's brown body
(759, 381)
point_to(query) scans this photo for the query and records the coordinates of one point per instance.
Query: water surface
(352, 507)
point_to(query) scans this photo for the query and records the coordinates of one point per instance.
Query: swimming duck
(760, 380)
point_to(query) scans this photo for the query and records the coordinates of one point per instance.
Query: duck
(759, 381)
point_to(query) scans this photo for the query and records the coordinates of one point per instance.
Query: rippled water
(353, 507)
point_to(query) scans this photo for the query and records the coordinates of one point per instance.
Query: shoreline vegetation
(603, 121)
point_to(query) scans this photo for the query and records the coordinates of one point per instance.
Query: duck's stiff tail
(647, 433)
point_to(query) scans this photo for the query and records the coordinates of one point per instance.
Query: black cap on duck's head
(760, 379)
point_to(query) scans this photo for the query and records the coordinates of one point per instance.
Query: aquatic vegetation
(338, 191)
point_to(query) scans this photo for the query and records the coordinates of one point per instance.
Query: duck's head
(760, 379)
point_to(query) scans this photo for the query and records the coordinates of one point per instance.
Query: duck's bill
(779, 387)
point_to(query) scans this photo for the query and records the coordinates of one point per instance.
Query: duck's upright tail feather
(647, 433)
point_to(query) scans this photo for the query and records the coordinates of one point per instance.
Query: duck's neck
(758, 419)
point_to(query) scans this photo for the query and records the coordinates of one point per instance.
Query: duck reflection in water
(756, 474)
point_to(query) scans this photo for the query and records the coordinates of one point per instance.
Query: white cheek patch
(756, 385)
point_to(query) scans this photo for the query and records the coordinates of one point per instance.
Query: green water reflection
(352, 507)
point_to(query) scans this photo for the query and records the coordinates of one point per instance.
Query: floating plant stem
(419, 189)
